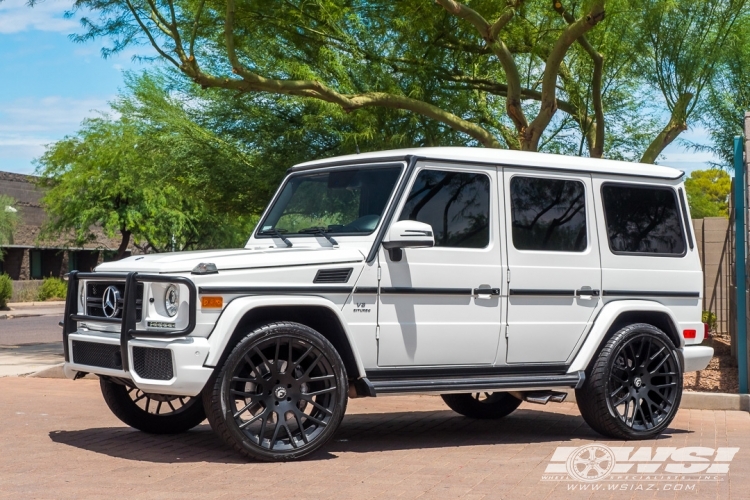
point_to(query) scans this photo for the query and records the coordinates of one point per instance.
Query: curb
(701, 401)
(55, 371)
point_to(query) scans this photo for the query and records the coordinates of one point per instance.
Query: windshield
(348, 201)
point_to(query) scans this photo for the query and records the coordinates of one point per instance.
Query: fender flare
(606, 318)
(237, 308)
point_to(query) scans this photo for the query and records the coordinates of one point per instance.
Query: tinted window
(455, 204)
(642, 220)
(338, 201)
(548, 214)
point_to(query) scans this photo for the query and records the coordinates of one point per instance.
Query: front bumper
(696, 357)
(188, 375)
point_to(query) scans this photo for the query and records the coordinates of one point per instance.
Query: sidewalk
(29, 309)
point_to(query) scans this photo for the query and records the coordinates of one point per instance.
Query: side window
(642, 220)
(548, 214)
(455, 204)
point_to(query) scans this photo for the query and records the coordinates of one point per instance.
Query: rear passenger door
(553, 261)
(428, 313)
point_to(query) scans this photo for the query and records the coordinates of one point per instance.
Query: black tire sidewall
(468, 406)
(120, 403)
(227, 426)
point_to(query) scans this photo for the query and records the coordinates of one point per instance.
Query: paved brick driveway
(58, 440)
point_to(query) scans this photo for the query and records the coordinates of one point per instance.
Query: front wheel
(280, 395)
(484, 405)
(634, 387)
(154, 413)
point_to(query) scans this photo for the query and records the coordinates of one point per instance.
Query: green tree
(8, 221)
(708, 193)
(495, 71)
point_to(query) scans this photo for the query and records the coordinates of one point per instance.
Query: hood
(245, 258)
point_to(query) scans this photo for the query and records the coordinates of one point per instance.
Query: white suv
(486, 276)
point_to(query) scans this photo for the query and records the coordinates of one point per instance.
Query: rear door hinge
(380, 269)
(508, 275)
(377, 333)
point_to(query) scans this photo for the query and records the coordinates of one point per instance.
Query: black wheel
(634, 387)
(486, 405)
(280, 395)
(154, 413)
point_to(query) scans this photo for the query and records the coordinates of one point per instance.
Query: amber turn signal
(212, 302)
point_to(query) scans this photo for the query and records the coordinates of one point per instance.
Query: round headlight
(172, 300)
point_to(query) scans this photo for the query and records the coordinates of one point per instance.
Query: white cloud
(47, 15)
(28, 125)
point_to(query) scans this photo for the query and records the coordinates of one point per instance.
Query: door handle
(485, 291)
(587, 292)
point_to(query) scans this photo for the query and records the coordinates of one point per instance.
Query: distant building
(29, 258)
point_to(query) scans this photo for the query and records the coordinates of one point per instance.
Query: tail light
(706, 331)
(689, 334)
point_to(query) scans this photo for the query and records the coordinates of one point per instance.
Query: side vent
(333, 275)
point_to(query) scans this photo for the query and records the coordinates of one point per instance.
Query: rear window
(643, 220)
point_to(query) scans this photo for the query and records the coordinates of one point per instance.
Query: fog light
(212, 302)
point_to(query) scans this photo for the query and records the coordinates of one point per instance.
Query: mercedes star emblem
(110, 301)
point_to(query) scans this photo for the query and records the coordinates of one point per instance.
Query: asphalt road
(33, 330)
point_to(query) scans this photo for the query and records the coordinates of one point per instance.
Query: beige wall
(714, 241)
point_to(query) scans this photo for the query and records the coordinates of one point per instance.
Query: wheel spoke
(301, 428)
(663, 360)
(242, 393)
(148, 402)
(275, 432)
(158, 408)
(244, 408)
(242, 379)
(265, 361)
(296, 363)
(315, 420)
(311, 367)
(255, 418)
(322, 391)
(317, 405)
(291, 438)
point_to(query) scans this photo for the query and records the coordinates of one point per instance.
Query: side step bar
(477, 384)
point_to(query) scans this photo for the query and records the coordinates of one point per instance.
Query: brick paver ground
(59, 440)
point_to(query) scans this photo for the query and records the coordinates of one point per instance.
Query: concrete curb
(701, 401)
(54, 371)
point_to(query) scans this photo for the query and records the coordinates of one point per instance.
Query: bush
(53, 288)
(6, 290)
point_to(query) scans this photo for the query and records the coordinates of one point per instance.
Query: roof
(506, 157)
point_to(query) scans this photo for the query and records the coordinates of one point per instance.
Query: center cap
(280, 392)
(637, 382)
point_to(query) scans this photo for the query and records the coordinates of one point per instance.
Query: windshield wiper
(275, 232)
(320, 231)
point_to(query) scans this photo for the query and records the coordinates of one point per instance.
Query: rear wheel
(634, 387)
(154, 413)
(280, 395)
(485, 405)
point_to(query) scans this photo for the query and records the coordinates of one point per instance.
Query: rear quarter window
(643, 220)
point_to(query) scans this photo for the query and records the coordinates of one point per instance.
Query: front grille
(93, 354)
(95, 292)
(153, 364)
(333, 275)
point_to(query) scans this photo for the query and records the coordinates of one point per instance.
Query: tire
(634, 387)
(153, 413)
(484, 405)
(280, 395)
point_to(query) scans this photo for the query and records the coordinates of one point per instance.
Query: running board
(477, 384)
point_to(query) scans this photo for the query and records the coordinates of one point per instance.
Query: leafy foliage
(572, 77)
(8, 220)
(708, 193)
(6, 290)
(53, 288)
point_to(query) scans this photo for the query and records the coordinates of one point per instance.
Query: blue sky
(49, 84)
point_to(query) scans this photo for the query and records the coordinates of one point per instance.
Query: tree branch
(595, 136)
(548, 107)
(677, 124)
(490, 35)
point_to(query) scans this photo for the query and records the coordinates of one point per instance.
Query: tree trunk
(123, 244)
(677, 124)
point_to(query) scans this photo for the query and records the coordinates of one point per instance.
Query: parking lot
(59, 440)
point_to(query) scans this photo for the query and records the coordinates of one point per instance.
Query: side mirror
(407, 234)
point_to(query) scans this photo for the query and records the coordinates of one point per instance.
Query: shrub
(53, 288)
(711, 319)
(6, 290)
